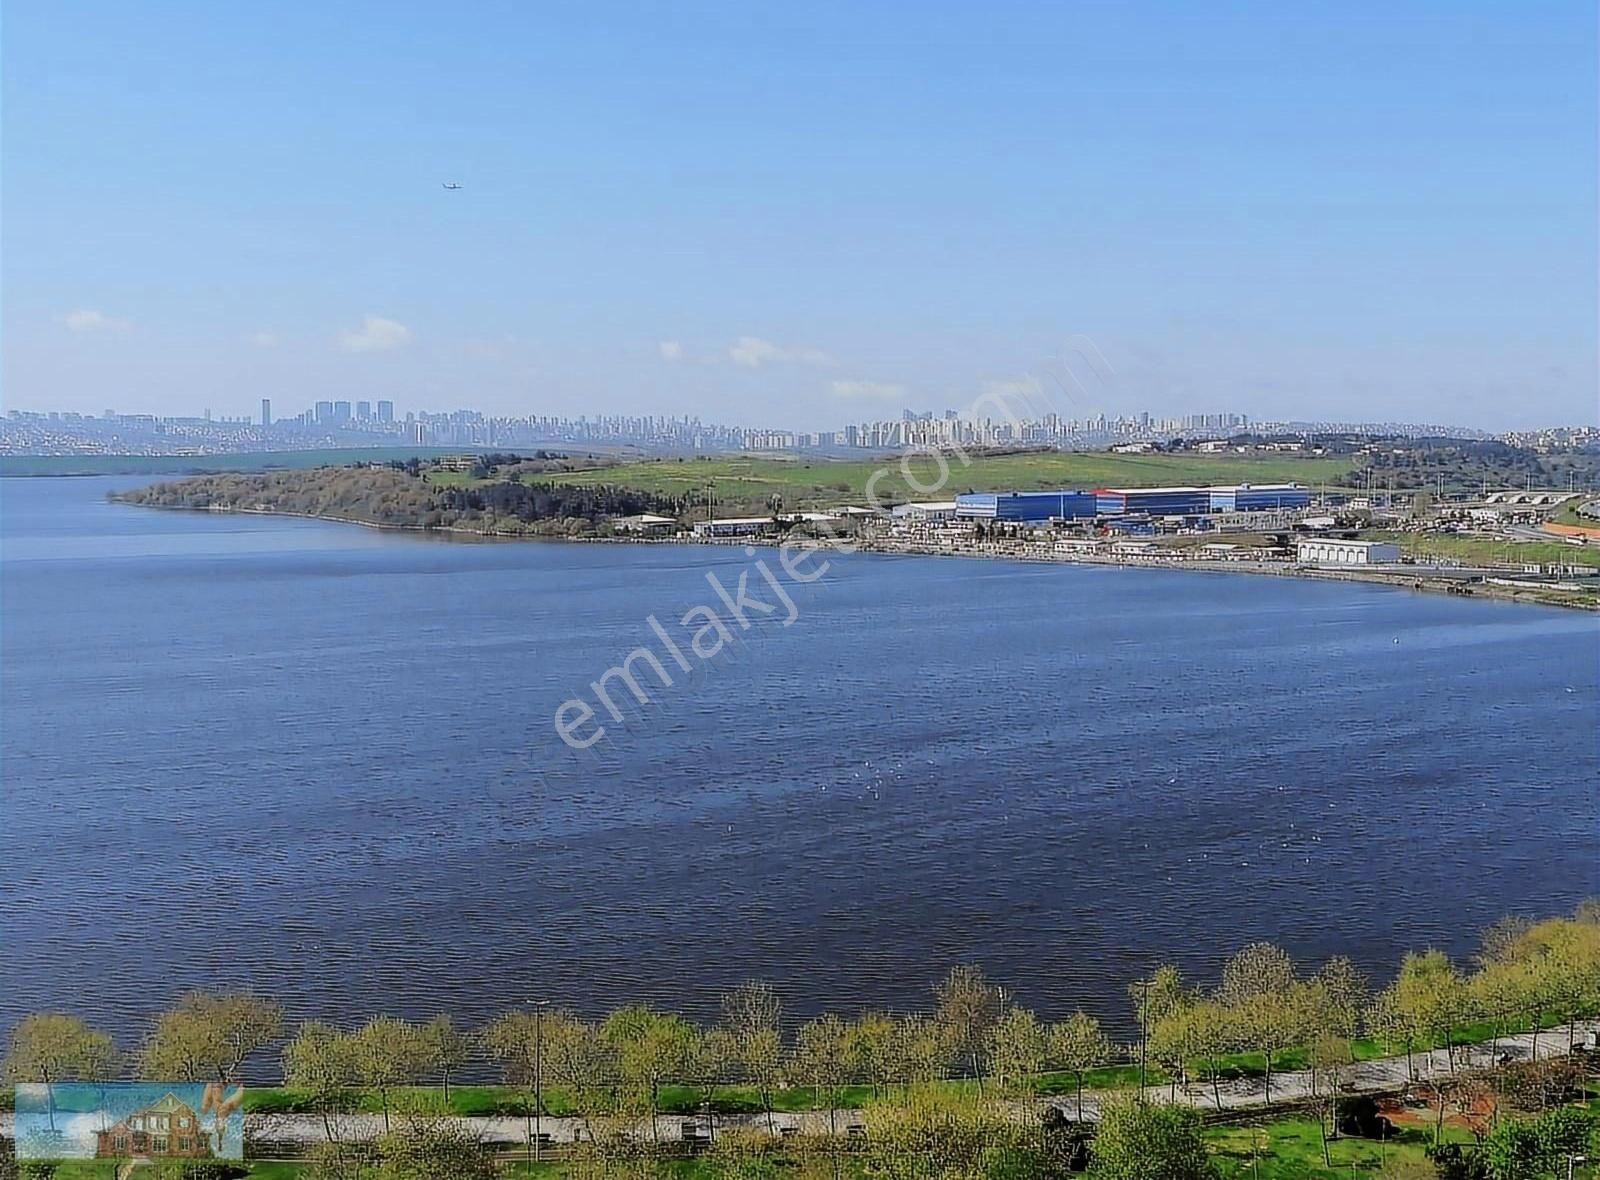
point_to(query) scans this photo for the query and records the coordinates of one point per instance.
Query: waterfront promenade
(1381, 1076)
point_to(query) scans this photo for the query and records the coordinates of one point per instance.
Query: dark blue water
(319, 759)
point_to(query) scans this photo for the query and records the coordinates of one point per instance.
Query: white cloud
(873, 390)
(1016, 398)
(1012, 386)
(264, 339)
(376, 334)
(86, 321)
(752, 352)
(670, 350)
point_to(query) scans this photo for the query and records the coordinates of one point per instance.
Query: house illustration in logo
(167, 1129)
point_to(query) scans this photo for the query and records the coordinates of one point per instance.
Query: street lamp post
(1144, 1033)
(538, 1078)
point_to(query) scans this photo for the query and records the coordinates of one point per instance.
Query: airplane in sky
(450, 184)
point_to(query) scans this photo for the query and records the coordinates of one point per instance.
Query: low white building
(647, 523)
(1328, 551)
(926, 512)
(735, 526)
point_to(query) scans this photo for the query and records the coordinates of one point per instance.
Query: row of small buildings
(1022, 507)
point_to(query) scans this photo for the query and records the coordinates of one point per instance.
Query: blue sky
(800, 215)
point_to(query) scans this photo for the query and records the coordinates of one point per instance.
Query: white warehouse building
(1327, 551)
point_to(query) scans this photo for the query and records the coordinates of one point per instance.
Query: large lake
(319, 759)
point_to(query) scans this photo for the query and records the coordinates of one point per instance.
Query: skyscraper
(341, 411)
(324, 411)
(266, 411)
(385, 411)
(363, 411)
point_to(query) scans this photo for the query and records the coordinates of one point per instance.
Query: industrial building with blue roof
(1086, 504)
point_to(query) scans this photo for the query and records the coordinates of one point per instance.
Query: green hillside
(745, 481)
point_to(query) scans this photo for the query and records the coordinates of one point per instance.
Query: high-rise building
(385, 411)
(363, 411)
(324, 411)
(266, 411)
(341, 411)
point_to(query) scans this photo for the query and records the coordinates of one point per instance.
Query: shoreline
(1455, 584)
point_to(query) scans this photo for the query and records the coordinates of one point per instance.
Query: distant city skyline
(792, 217)
(996, 423)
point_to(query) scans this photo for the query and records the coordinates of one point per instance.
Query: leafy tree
(1018, 1047)
(1564, 1132)
(1512, 1151)
(969, 1006)
(1342, 995)
(1149, 1141)
(1209, 1036)
(822, 1056)
(712, 1061)
(1158, 996)
(1172, 1041)
(424, 1150)
(388, 1054)
(578, 1056)
(916, 1050)
(1451, 1161)
(932, 1132)
(415, 1150)
(1430, 995)
(1329, 1056)
(868, 1045)
(650, 1048)
(51, 1047)
(1390, 1025)
(321, 1061)
(1269, 1008)
(1260, 969)
(445, 1049)
(1078, 1045)
(209, 1036)
(1561, 959)
(522, 1043)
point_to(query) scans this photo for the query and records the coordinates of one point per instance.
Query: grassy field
(1291, 1149)
(747, 483)
(1478, 550)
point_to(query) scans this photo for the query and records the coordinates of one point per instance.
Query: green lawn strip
(1488, 550)
(1291, 1149)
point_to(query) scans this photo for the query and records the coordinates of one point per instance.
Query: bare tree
(969, 1006)
(751, 1014)
(445, 1049)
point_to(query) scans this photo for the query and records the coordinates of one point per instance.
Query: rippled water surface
(319, 759)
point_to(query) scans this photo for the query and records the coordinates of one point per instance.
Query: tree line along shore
(973, 1049)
